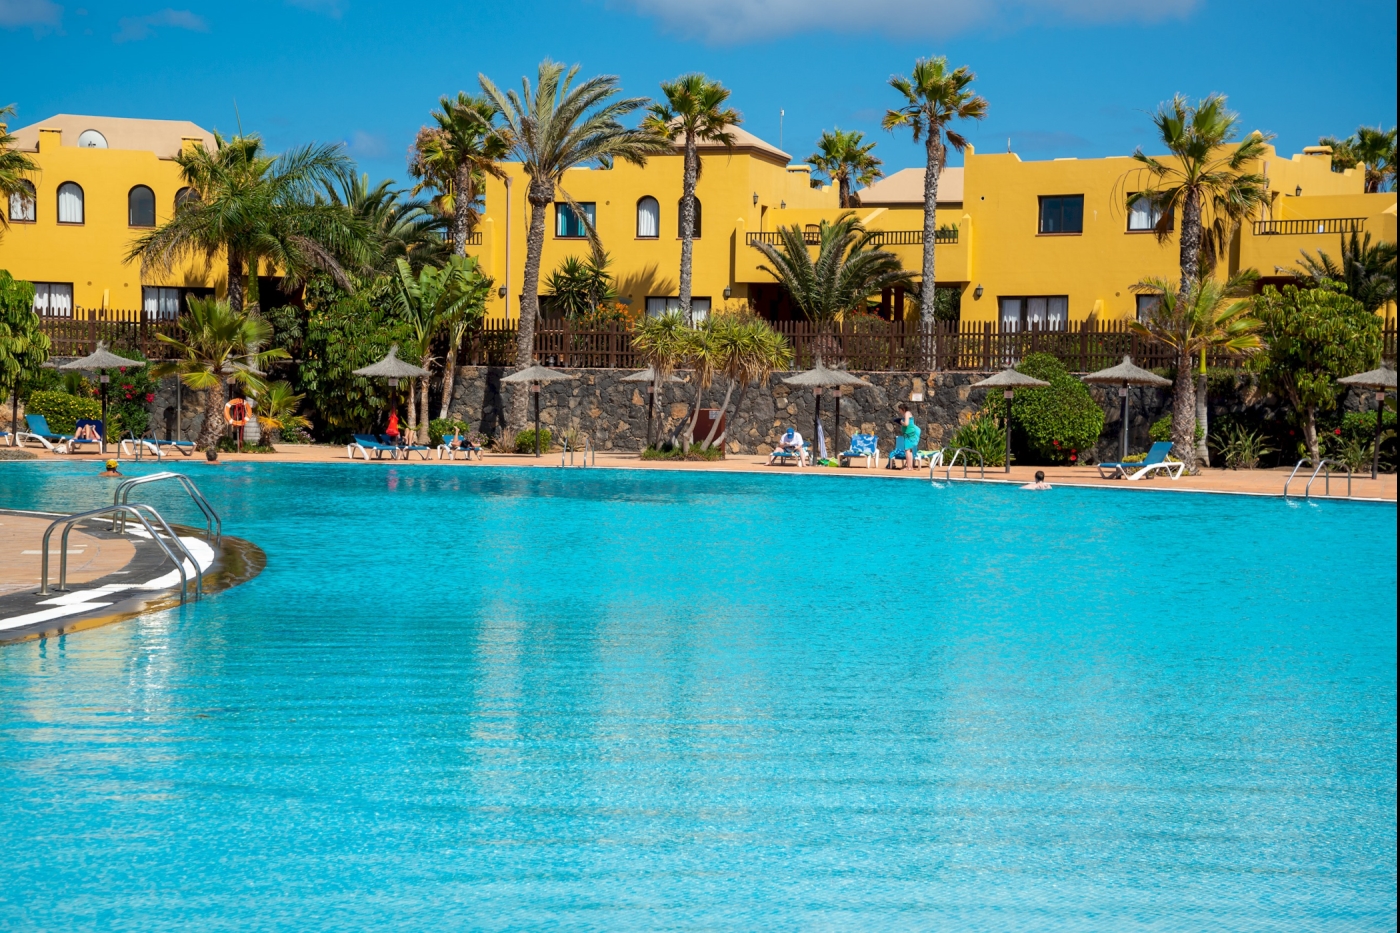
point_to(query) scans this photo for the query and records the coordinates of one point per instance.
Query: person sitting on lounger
(86, 433)
(789, 443)
(1039, 483)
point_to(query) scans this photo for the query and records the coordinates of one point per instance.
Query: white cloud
(41, 15)
(746, 20)
(136, 28)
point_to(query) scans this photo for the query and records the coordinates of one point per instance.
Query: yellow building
(1025, 243)
(102, 182)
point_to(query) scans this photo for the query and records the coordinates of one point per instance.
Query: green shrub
(1161, 429)
(1241, 448)
(525, 440)
(229, 445)
(985, 436)
(1056, 422)
(62, 410)
(670, 452)
(438, 428)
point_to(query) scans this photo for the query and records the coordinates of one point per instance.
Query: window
(1143, 215)
(1147, 306)
(22, 204)
(1041, 312)
(569, 225)
(1062, 214)
(53, 299)
(648, 219)
(680, 230)
(183, 195)
(141, 207)
(699, 307)
(160, 303)
(70, 203)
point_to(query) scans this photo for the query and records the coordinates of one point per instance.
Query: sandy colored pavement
(21, 543)
(1249, 482)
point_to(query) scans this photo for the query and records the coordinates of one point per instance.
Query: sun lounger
(464, 446)
(74, 441)
(1155, 461)
(39, 431)
(863, 446)
(364, 443)
(406, 449)
(127, 447)
(186, 448)
(802, 458)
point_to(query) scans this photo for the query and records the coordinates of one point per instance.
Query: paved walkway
(1249, 482)
(21, 550)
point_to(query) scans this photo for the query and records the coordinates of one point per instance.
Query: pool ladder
(568, 453)
(963, 452)
(138, 511)
(1326, 477)
(213, 526)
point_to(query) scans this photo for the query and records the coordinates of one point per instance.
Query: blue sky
(1063, 77)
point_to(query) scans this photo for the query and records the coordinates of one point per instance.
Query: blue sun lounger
(40, 431)
(863, 446)
(364, 443)
(1155, 461)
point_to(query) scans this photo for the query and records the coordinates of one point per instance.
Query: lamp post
(1123, 375)
(1383, 381)
(536, 376)
(1009, 380)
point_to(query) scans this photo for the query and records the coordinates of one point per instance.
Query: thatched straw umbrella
(393, 369)
(1009, 380)
(537, 376)
(1383, 381)
(1123, 375)
(648, 376)
(94, 362)
(820, 377)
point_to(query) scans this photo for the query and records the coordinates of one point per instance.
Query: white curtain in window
(53, 299)
(70, 203)
(1035, 313)
(699, 308)
(22, 206)
(1057, 312)
(150, 301)
(1010, 314)
(648, 218)
(169, 303)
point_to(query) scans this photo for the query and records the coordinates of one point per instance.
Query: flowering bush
(1055, 423)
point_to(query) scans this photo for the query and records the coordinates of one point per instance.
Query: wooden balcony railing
(1320, 225)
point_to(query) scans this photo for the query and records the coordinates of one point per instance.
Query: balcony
(1319, 225)
(948, 236)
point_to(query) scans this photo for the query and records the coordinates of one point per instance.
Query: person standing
(909, 431)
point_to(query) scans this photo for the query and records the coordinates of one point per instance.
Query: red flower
(1073, 457)
(1338, 432)
(128, 396)
(1056, 443)
(150, 396)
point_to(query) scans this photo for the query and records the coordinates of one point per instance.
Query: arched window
(70, 203)
(648, 218)
(22, 204)
(680, 221)
(141, 207)
(185, 194)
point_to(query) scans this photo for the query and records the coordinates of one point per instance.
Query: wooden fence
(866, 345)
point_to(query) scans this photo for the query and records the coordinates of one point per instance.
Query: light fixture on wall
(1298, 191)
(501, 292)
(782, 205)
(755, 199)
(977, 292)
(728, 293)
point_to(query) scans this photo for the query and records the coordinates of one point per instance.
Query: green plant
(1315, 336)
(455, 156)
(844, 157)
(1366, 270)
(23, 345)
(579, 287)
(934, 96)
(1161, 429)
(62, 410)
(985, 436)
(439, 428)
(1355, 452)
(525, 440)
(1373, 146)
(1058, 422)
(16, 168)
(674, 452)
(277, 410)
(128, 395)
(1241, 448)
(228, 445)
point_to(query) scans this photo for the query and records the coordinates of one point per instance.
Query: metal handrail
(1327, 478)
(569, 452)
(1296, 467)
(212, 523)
(962, 452)
(133, 510)
(184, 549)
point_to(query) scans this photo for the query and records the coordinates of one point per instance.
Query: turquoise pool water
(494, 699)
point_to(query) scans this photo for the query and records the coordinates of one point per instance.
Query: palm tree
(218, 342)
(694, 111)
(432, 302)
(848, 270)
(1366, 269)
(934, 98)
(398, 228)
(1212, 315)
(660, 342)
(845, 157)
(1369, 145)
(277, 410)
(1208, 185)
(455, 156)
(551, 128)
(15, 167)
(256, 207)
(748, 351)
(580, 286)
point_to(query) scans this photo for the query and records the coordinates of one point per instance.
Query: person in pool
(790, 442)
(111, 470)
(910, 432)
(1039, 483)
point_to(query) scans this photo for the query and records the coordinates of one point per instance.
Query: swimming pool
(504, 699)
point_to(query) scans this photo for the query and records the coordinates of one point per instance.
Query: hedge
(62, 410)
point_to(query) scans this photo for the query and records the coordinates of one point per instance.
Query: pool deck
(1239, 482)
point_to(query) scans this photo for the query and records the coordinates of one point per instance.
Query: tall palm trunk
(412, 425)
(844, 191)
(934, 150)
(1190, 240)
(235, 280)
(449, 373)
(1184, 412)
(540, 194)
(1202, 426)
(213, 427)
(1310, 431)
(423, 407)
(688, 223)
(461, 210)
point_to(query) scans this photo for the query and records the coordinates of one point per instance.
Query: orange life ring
(236, 412)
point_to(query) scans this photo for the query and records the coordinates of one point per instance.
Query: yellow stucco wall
(89, 255)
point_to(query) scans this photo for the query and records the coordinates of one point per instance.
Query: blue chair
(463, 446)
(865, 446)
(406, 448)
(802, 458)
(364, 443)
(1155, 461)
(97, 427)
(184, 447)
(40, 431)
